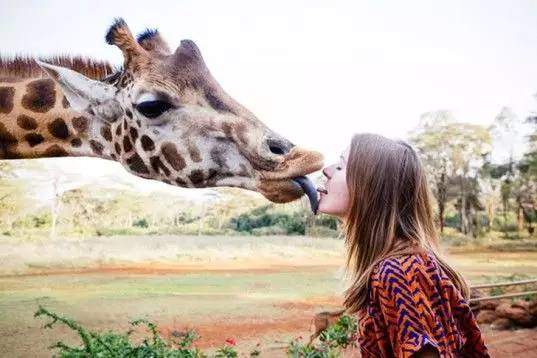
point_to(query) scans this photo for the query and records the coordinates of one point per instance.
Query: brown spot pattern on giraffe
(26, 122)
(80, 124)
(118, 129)
(34, 139)
(181, 182)
(134, 133)
(55, 151)
(76, 142)
(40, 96)
(58, 128)
(147, 143)
(106, 133)
(212, 176)
(157, 164)
(172, 156)
(218, 156)
(194, 154)
(118, 148)
(136, 164)
(6, 138)
(6, 99)
(96, 147)
(127, 145)
(196, 177)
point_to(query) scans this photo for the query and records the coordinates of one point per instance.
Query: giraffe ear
(81, 91)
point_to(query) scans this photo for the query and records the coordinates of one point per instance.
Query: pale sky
(318, 71)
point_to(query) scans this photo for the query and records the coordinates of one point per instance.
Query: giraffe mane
(22, 67)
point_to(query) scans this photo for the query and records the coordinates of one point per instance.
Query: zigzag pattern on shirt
(414, 303)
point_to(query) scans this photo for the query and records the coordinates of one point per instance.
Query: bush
(112, 344)
(341, 334)
(141, 223)
(294, 223)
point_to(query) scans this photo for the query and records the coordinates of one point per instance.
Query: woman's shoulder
(406, 265)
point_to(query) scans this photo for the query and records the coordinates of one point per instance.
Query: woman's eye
(153, 109)
(338, 168)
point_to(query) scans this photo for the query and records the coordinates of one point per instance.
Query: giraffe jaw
(288, 181)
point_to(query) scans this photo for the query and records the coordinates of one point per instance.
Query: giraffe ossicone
(163, 116)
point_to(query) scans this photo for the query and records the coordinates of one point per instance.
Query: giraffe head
(163, 116)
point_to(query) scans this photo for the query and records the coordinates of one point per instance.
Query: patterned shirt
(413, 303)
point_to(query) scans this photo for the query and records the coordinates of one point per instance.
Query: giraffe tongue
(309, 189)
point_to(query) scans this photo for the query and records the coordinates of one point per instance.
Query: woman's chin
(327, 208)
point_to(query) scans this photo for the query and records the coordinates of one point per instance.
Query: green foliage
(141, 223)
(112, 344)
(263, 217)
(341, 334)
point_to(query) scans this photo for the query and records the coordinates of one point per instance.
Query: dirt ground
(260, 300)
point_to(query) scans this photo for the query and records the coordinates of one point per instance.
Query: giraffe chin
(287, 190)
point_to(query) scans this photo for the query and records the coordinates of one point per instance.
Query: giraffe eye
(153, 109)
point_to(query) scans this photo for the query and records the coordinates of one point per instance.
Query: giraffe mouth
(288, 181)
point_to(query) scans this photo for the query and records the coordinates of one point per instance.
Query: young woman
(409, 302)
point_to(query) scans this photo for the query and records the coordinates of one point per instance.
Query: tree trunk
(441, 209)
(520, 218)
(441, 188)
(462, 209)
(490, 215)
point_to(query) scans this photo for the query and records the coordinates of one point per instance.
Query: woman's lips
(322, 190)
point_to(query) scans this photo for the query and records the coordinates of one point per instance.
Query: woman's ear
(81, 91)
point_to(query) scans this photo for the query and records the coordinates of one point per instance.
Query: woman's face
(334, 198)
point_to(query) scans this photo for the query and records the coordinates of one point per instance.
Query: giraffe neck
(36, 121)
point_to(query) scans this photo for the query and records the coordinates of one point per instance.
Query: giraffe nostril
(279, 147)
(276, 150)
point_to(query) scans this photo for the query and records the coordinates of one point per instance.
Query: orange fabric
(413, 303)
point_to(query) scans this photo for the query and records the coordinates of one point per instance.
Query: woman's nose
(325, 172)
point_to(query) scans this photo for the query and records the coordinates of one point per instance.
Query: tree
(450, 149)
(429, 139)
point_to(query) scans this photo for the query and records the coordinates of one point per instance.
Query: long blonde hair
(390, 212)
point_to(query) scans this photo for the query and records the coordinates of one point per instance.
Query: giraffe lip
(309, 189)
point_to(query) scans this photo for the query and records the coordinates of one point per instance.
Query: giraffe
(162, 115)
